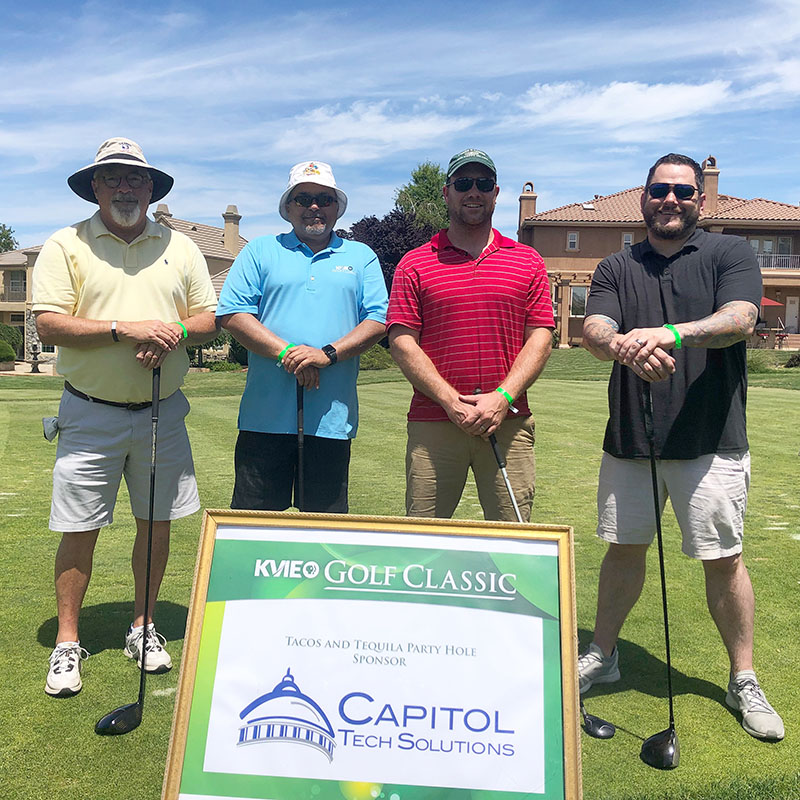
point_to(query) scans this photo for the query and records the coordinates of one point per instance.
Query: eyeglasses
(465, 184)
(308, 200)
(134, 179)
(683, 191)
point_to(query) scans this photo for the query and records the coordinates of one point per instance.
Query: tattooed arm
(729, 324)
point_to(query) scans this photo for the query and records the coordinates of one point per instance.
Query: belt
(129, 406)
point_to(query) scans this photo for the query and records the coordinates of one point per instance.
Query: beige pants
(439, 454)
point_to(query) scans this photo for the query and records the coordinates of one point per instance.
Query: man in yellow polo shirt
(119, 295)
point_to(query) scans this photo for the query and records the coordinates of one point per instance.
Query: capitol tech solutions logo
(287, 715)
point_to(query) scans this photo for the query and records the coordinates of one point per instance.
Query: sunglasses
(683, 191)
(465, 184)
(308, 200)
(135, 180)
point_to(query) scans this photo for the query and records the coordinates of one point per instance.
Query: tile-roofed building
(573, 238)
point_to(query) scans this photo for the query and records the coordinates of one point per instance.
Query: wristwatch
(330, 351)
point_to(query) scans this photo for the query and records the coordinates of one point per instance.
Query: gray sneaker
(594, 667)
(64, 675)
(759, 718)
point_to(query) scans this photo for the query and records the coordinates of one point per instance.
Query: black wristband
(114, 331)
(330, 351)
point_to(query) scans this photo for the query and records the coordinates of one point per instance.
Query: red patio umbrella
(766, 301)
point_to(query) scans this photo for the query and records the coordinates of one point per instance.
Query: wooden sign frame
(270, 560)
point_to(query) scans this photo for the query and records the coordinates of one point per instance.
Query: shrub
(11, 335)
(760, 361)
(7, 352)
(793, 360)
(223, 366)
(237, 353)
(376, 357)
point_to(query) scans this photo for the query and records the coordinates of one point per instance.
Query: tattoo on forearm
(600, 329)
(732, 323)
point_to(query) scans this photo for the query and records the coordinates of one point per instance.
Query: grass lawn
(48, 748)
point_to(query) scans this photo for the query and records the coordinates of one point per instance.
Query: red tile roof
(624, 207)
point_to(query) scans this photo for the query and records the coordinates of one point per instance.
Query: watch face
(330, 351)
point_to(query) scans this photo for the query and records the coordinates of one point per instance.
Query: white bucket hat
(119, 151)
(312, 172)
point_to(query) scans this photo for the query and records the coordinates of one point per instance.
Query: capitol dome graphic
(287, 715)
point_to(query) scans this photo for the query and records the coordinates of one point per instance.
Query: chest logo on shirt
(342, 268)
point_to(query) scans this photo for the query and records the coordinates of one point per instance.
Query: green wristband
(185, 332)
(284, 352)
(674, 331)
(505, 394)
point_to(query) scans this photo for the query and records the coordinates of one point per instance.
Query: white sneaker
(64, 677)
(595, 667)
(156, 657)
(759, 718)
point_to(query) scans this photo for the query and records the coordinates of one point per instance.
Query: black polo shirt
(701, 408)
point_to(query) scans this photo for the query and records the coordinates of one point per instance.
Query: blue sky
(579, 98)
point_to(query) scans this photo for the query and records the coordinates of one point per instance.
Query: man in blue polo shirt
(308, 303)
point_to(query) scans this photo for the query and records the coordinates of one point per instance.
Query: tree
(7, 240)
(422, 196)
(391, 237)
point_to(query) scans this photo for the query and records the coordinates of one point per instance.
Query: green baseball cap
(470, 156)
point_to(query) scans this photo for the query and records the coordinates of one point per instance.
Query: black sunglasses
(308, 200)
(465, 184)
(683, 191)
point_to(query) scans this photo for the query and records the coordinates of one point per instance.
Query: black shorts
(266, 473)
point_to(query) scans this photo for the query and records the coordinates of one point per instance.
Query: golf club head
(121, 720)
(662, 750)
(596, 728)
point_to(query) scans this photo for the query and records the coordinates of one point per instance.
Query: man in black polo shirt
(674, 311)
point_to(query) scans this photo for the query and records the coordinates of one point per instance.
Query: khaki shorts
(439, 454)
(708, 495)
(98, 444)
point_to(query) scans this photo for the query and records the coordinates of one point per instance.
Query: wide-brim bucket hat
(119, 151)
(312, 172)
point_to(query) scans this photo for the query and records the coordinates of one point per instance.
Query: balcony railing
(770, 261)
(14, 296)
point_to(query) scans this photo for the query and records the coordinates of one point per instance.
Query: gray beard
(126, 218)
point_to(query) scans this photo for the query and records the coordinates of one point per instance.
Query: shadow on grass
(103, 626)
(643, 672)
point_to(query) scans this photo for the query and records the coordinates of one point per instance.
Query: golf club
(299, 488)
(128, 717)
(594, 726)
(661, 750)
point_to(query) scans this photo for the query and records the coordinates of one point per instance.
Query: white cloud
(365, 131)
(624, 110)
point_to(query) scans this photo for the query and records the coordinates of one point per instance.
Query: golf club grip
(501, 462)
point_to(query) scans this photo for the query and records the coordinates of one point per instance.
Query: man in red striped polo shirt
(470, 324)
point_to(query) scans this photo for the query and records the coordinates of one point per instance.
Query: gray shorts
(708, 495)
(98, 444)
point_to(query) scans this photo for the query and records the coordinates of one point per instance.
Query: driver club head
(121, 720)
(662, 750)
(596, 728)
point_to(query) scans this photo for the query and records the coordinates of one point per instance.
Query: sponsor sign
(332, 657)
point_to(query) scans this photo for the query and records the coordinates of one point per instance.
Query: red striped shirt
(471, 314)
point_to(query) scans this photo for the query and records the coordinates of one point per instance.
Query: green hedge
(7, 352)
(11, 335)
